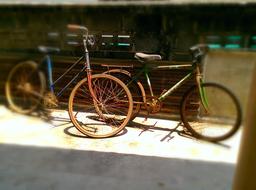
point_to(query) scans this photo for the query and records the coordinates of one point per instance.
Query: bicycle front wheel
(107, 115)
(215, 118)
(25, 87)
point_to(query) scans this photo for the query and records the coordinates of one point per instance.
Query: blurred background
(122, 28)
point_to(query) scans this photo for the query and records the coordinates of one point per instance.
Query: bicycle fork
(201, 90)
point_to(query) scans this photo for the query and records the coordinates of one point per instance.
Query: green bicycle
(209, 111)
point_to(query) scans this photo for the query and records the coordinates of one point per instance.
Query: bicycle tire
(23, 81)
(135, 87)
(104, 118)
(224, 117)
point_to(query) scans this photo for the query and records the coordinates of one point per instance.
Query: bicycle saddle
(45, 49)
(147, 57)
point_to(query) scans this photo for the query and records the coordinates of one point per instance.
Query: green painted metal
(203, 96)
(174, 87)
(148, 80)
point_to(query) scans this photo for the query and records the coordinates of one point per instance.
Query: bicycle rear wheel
(109, 114)
(135, 87)
(222, 119)
(24, 87)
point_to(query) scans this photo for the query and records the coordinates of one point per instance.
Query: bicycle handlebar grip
(77, 27)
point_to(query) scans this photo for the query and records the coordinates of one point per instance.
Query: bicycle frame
(194, 71)
(47, 60)
(199, 81)
(162, 97)
(86, 67)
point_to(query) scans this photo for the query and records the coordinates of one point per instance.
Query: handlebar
(89, 39)
(198, 51)
(77, 27)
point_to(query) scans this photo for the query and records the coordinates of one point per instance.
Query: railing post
(245, 173)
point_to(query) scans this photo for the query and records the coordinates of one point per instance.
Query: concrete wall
(233, 69)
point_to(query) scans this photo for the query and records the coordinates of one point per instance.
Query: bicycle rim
(135, 88)
(220, 121)
(23, 82)
(108, 115)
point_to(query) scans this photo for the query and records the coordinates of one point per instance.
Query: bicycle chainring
(153, 105)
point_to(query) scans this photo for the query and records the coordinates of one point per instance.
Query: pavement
(49, 153)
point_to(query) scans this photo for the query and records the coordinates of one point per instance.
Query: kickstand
(146, 117)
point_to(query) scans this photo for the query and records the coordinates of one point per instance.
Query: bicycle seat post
(47, 60)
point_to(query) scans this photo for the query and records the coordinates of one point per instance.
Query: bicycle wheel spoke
(222, 118)
(135, 88)
(24, 85)
(104, 116)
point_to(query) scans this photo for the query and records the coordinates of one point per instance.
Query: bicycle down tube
(174, 87)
